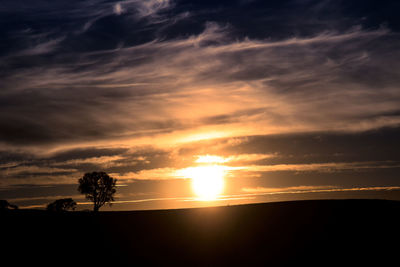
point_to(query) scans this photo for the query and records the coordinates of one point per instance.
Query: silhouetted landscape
(320, 232)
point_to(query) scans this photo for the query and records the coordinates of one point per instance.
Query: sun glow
(210, 159)
(207, 181)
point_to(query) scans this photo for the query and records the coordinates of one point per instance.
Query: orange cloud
(311, 189)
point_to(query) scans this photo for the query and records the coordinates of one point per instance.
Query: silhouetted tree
(4, 205)
(64, 204)
(98, 187)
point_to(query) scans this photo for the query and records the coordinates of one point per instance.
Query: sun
(207, 181)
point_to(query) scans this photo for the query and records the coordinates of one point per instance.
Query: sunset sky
(295, 99)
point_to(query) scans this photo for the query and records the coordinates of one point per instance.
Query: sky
(290, 99)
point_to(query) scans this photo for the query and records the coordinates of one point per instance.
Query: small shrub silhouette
(4, 205)
(60, 205)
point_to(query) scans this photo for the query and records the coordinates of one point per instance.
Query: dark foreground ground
(319, 233)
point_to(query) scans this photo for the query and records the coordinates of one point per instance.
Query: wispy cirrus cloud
(42, 48)
(313, 189)
(154, 99)
(153, 7)
(210, 159)
(323, 167)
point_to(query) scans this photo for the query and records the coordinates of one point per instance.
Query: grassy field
(319, 232)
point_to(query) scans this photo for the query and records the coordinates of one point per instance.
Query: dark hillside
(322, 232)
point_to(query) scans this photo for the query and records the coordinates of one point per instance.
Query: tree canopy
(98, 187)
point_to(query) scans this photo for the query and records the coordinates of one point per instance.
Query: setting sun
(207, 181)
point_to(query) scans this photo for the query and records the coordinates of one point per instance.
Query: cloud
(272, 190)
(151, 174)
(152, 7)
(313, 189)
(306, 154)
(207, 159)
(322, 167)
(42, 48)
(118, 9)
(147, 95)
(106, 161)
